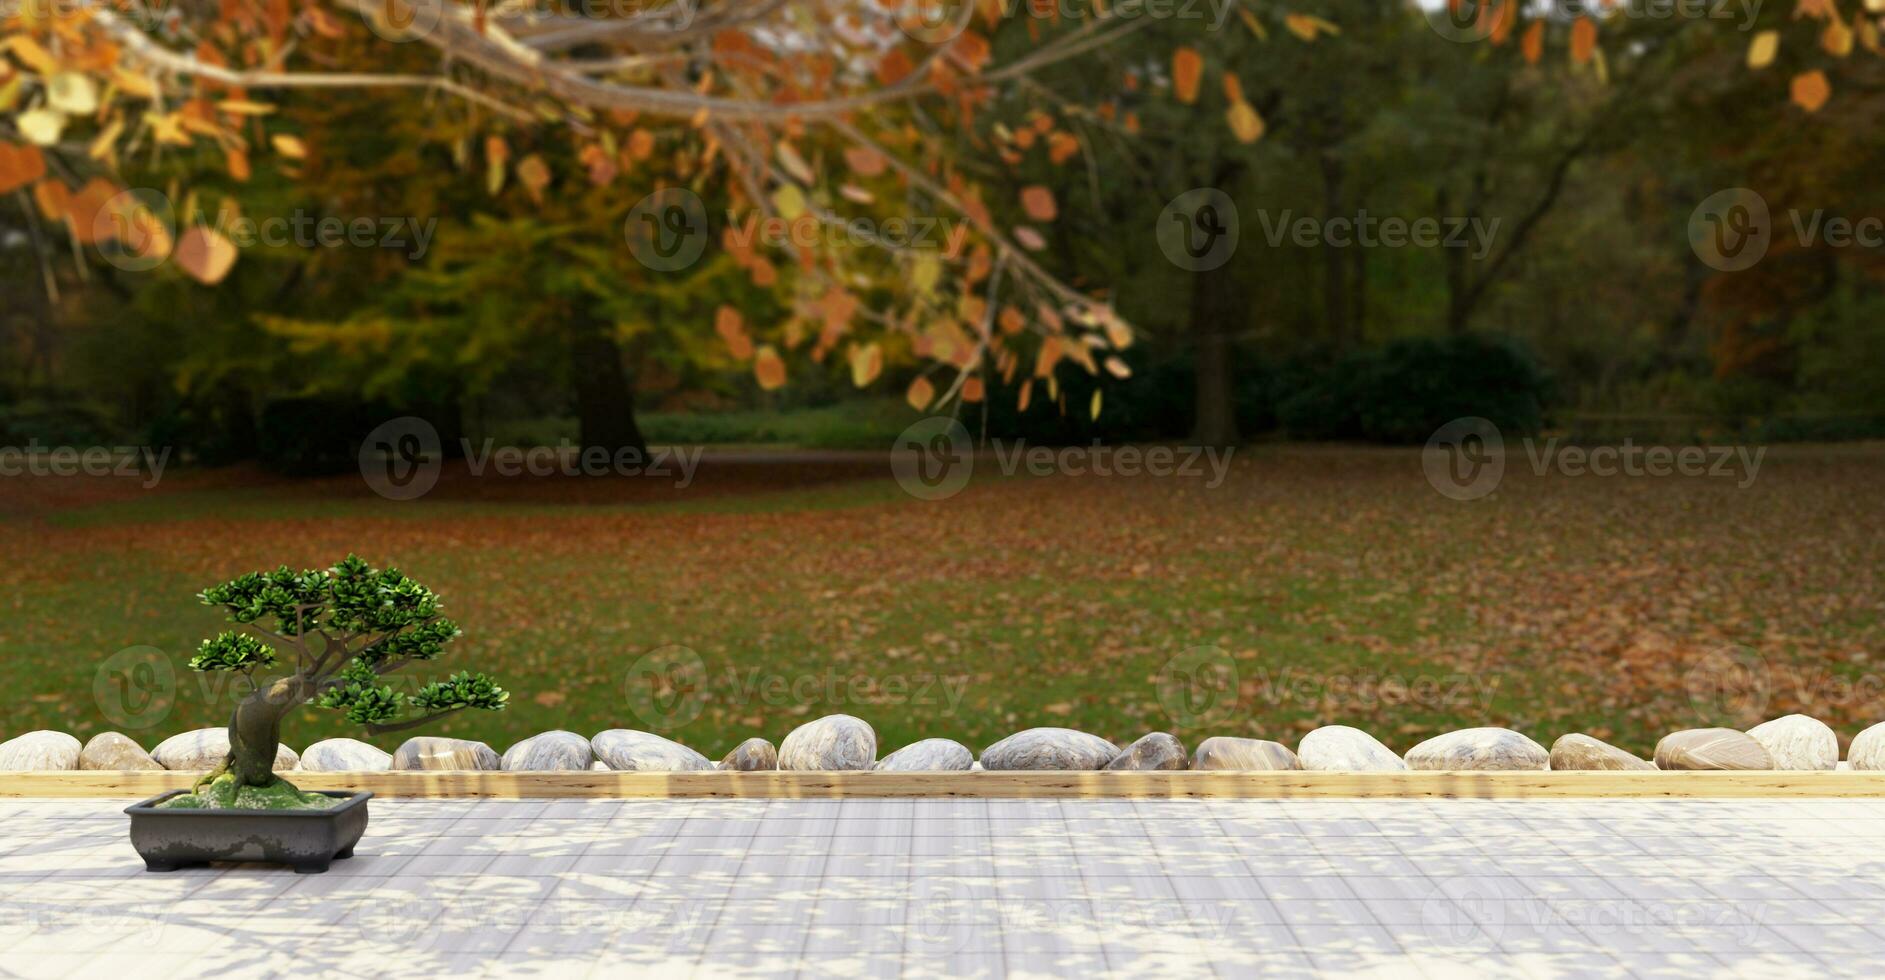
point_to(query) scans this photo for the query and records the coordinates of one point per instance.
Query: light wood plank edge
(1000, 785)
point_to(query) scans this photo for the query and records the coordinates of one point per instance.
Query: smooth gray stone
(829, 743)
(345, 755)
(628, 750)
(1478, 748)
(1798, 742)
(436, 752)
(1340, 748)
(1711, 748)
(115, 751)
(1580, 751)
(929, 755)
(1157, 751)
(1222, 752)
(38, 751)
(206, 748)
(1049, 749)
(752, 755)
(554, 751)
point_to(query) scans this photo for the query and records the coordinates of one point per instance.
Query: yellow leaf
(924, 273)
(795, 164)
(789, 202)
(1187, 71)
(1245, 124)
(1837, 39)
(243, 107)
(921, 393)
(769, 369)
(1094, 409)
(867, 361)
(289, 146)
(72, 93)
(42, 127)
(1118, 368)
(1307, 27)
(1762, 49)
(205, 255)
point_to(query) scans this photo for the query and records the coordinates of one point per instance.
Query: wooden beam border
(998, 785)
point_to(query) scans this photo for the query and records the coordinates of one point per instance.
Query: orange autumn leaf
(205, 255)
(1811, 90)
(1583, 40)
(921, 393)
(20, 164)
(1061, 146)
(972, 390)
(1532, 45)
(1187, 72)
(769, 369)
(732, 329)
(864, 161)
(1039, 203)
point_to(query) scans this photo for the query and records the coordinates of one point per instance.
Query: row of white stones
(844, 742)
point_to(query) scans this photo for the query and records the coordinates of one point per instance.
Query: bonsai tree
(346, 627)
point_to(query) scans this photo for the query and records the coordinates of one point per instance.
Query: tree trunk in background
(1218, 312)
(605, 402)
(1334, 259)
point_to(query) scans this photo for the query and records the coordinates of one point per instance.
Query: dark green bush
(1402, 392)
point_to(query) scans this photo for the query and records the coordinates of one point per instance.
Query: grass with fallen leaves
(1314, 586)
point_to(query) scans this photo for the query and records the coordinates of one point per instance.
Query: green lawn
(1335, 585)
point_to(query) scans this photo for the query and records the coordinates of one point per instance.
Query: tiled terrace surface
(963, 888)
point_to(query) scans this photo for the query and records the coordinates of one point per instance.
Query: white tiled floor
(965, 888)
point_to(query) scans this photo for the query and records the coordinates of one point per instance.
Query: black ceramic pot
(307, 839)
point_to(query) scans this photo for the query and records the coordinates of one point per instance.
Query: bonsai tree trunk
(247, 777)
(255, 730)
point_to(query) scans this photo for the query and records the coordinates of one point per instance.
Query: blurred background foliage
(528, 320)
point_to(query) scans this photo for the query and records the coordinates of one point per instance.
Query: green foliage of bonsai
(345, 628)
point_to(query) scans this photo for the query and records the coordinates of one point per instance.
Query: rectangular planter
(306, 839)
